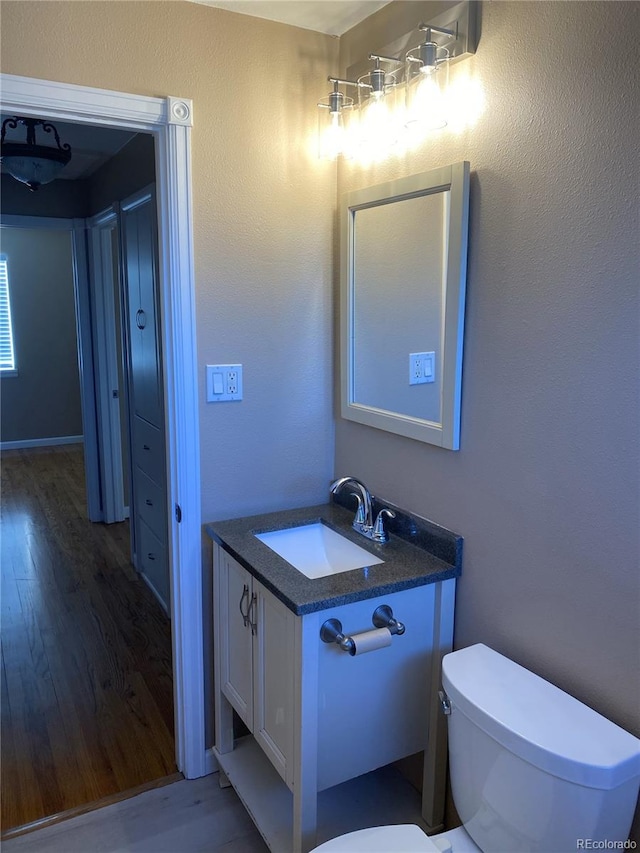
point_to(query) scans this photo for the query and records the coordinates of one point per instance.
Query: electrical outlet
(415, 368)
(224, 382)
(421, 367)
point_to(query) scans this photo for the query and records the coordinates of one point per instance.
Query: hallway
(87, 693)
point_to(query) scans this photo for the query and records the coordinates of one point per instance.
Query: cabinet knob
(149, 502)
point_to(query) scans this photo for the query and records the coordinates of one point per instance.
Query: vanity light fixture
(333, 121)
(427, 79)
(378, 126)
(30, 162)
(400, 98)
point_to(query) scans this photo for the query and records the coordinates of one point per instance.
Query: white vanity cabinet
(255, 652)
(321, 719)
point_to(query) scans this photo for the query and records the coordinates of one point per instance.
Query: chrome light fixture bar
(29, 162)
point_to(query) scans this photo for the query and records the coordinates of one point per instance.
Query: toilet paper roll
(369, 641)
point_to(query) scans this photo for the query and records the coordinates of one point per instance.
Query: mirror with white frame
(403, 282)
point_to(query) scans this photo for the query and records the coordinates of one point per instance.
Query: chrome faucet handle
(379, 533)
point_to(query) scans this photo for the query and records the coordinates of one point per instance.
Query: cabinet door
(139, 251)
(274, 680)
(236, 641)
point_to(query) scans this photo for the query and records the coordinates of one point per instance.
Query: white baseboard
(41, 442)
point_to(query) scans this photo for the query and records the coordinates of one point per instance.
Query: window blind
(7, 355)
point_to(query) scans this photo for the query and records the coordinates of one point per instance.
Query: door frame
(109, 394)
(170, 121)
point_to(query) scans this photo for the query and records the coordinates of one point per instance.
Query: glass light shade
(28, 162)
(379, 125)
(32, 171)
(425, 95)
(334, 128)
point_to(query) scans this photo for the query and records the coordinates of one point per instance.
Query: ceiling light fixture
(29, 162)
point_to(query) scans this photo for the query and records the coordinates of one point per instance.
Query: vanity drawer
(148, 449)
(153, 562)
(150, 504)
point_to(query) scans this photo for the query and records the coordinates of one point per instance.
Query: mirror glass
(403, 284)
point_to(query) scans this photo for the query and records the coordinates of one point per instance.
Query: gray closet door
(149, 504)
(139, 234)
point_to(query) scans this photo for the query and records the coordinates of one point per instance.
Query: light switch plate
(224, 382)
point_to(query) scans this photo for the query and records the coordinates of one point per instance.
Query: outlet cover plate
(224, 382)
(421, 367)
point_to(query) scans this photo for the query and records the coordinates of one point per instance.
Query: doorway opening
(169, 121)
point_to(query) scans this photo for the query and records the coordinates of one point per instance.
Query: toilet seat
(399, 838)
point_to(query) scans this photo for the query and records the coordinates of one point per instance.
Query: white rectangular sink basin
(317, 551)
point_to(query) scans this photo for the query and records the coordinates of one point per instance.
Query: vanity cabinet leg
(223, 779)
(304, 820)
(222, 710)
(223, 716)
(305, 727)
(435, 756)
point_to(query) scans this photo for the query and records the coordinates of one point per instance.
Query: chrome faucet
(363, 521)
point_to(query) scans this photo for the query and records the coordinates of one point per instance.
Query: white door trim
(169, 120)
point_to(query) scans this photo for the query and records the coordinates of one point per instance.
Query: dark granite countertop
(418, 552)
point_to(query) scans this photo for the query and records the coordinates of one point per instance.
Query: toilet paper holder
(331, 630)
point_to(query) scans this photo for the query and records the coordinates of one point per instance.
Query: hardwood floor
(87, 693)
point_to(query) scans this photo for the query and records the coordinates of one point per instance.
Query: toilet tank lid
(537, 721)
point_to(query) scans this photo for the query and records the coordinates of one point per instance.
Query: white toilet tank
(532, 768)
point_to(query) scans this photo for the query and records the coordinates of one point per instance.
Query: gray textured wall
(545, 486)
(43, 400)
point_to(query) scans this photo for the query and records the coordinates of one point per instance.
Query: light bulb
(377, 132)
(332, 137)
(335, 125)
(427, 106)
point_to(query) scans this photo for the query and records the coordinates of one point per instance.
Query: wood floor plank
(86, 649)
(78, 761)
(186, 816)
